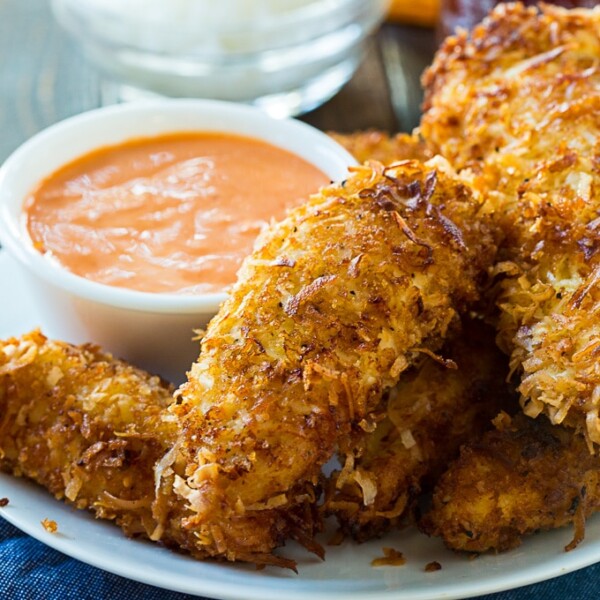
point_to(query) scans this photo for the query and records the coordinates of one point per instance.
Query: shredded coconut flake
(408, 441)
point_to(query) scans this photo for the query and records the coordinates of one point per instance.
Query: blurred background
(343, 65)
(48, 71)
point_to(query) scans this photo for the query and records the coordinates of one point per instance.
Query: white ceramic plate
(347, 572)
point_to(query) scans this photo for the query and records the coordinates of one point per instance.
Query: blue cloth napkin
(31, 571)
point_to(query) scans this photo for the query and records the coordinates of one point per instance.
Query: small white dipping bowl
(151, 330)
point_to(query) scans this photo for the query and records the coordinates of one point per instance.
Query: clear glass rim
(317, 11)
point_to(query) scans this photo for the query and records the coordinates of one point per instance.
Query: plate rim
(242, 586)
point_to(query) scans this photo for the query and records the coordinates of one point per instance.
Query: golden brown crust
(514, 107)
(434, 409)
(383, 148)
(334, 303)
(86, 426)
(526, 476)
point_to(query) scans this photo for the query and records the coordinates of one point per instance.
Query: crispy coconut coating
(386, 149)
(514, 106)
(86, 426)
(525, 476)
(438, 405)
(335, 302)
(435, 408)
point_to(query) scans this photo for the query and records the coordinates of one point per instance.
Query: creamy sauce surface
(176, 213)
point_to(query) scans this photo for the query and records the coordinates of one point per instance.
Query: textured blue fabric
(31, 571)
(580, 585)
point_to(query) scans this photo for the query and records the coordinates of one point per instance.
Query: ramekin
(152, 330)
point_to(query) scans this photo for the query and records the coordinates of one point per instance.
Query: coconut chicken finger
(335, 302)
(437, 406)
(84, 425)
(514, 107)
(525, 476)
(382, 147)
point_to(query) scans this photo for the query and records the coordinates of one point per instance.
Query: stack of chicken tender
(364, 326)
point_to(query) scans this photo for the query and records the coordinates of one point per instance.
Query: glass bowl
(286, 56)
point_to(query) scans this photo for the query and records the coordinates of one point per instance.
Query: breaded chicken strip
(86, 426)
(437, 406)
(386, 149)
(514, 106)
(526, 476)
(333, 305)
(434, 409)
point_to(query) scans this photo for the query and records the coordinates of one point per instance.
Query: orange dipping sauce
(175, 213)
